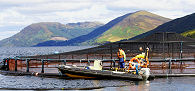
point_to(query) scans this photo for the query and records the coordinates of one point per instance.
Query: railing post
(87, 56)
(4, 63)
(88, 62)
(114, 63)
(72, 56)
(111, 66)
(172, 50)
(170, 66)
(59, 57)
(181, 49)
(163, 45)
(64, 62)
(27, 65)
(7, 64)
(42, 70)
(111, 51)
(15, 64)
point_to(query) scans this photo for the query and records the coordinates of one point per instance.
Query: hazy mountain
(45, 31)
(123, 27)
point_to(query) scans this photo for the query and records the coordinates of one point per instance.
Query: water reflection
(161, 84)
(141, 86)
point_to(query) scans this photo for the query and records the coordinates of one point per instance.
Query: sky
(17, 14)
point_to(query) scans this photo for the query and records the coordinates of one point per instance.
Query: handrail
(103, 60)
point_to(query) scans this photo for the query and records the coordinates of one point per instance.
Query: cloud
(12, 18)
(93, 13)
(20, 13)
(167, 8)
(6, 34)
(146, 5)
(51, 7)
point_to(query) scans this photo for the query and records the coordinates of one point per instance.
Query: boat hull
(75, 72)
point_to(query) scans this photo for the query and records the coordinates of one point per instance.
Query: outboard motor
(97, 65)
(145, 73)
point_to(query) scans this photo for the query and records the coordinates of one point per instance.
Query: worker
(122, 58)
(142, 57)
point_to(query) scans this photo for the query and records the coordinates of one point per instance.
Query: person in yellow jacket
(122, 57)
(142, 57)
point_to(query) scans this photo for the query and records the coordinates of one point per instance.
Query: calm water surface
(33, 82)
(30, 51)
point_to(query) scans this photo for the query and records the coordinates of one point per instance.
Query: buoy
(132, 64)
(36, 74)
(145, 73)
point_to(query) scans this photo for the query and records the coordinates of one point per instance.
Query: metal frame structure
(162, 45)
(165, 49)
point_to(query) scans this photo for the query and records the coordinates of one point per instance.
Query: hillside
(123, 27)
(134, 24)
(184, 26)
(190, 33)
(45, 31)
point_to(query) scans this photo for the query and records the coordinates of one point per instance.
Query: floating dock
(48, 68)
(170, 55)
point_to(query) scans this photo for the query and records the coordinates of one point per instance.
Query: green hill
(134, 24)
(123, 27)
(190, 33)
(184, 26)
(45, 31)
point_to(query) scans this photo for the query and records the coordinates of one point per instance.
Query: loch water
(9, 82)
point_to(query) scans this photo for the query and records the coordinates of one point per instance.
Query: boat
(96, 72)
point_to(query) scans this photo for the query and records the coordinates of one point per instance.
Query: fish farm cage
(167, 51)
(161, 45)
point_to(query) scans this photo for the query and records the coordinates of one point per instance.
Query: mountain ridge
(45, 31)
(119, 28)
(179, 25)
